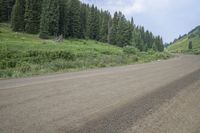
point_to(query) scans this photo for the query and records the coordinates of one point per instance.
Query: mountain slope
(181, 45)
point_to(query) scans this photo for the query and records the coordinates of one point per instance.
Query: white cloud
(136, 6)
(131, 7)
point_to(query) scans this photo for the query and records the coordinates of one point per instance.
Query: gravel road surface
(156, 97)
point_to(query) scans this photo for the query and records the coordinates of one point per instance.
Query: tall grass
(24, 55)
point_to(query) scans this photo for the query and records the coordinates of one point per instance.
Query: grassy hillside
(181, 46)
(25, 55)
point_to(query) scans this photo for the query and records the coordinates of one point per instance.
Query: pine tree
(1, 11)
(90, 25)
(138, 42)
(122, 31)
(94, 23)
(62, 13)
(65, 18)
(74, 22)
(49, 23)
(44, 21)
(114, 29)
(104, 31)
(158, 44)
(6, 10)
(149, 39)
(129, 32)
(161, 45)
(54, 15)
(32, 16)
(18, 12)
(83, 20)
(97, 23)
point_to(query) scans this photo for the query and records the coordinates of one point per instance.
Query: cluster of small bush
(27, 62)
(14, 63)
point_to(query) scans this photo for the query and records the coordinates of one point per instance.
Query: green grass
(23, 55)
(181, 46)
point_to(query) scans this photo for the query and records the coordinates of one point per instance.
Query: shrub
(4, 74)
(197, 52)
(12, 64)
(190, 45)
(3, 64)
(24, 67)
(51, 55)
(151, 51)
(130, 50)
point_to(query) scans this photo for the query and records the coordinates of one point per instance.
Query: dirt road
(157, 97)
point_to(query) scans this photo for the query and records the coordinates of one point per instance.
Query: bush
(190, 45)
(24, 67)
(163, 55)
(130, 50)
(197, 52)
(3, 64)
(151, 51)
(50, 55)
(4, 74)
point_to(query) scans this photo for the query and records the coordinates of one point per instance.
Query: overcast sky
(168, 18)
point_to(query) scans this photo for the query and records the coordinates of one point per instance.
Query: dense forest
(74, 19)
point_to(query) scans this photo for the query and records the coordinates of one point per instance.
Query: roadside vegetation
(24, 54)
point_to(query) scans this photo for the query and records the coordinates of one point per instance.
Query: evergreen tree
(1, 10)
(90, 25)
(94, 23)
(104, 31)
(74, 21)
(49, 23)
(18, 12)
(97, 23)
(6, 10)
(54, 15)
(88, 21)
(44, 21)
(109, 28)
(161, 45)
(149, 39)
(122, 33)
(65, 18)
(139, 42)
(130, 29)
(62, 13)
(32, 16)
(122, 30)
(155, 47)
(114, 29)
(158, 44)
(83, 20)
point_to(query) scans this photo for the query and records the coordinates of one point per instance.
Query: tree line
(74, 19)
